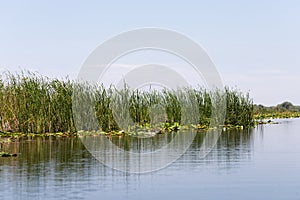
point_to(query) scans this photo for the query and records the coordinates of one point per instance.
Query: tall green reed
(31, 103)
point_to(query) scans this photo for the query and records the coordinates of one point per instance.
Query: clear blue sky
(254, 44)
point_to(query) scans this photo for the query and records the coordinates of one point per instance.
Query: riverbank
(7, 137)
(33, 105)
(262, 118)
(277, 115)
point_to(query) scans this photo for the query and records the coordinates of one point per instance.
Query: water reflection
(139, 155)
(49, 167)
(233, 148)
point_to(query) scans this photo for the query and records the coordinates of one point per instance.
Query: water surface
(261, 163)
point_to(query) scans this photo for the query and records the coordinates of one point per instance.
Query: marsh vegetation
(283, 110)
(31, 103)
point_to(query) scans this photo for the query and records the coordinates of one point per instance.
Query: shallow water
(262, 163)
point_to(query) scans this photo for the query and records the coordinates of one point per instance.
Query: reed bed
(31, 103)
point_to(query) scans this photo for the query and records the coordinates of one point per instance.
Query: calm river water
(261, 163)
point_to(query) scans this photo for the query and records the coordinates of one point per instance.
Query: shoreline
(10, 137)
(6, 137)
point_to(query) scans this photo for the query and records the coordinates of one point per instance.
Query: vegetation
(31, 103)
(283, 110)
(34, 104)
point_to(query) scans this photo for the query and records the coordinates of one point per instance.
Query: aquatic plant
(31, 103)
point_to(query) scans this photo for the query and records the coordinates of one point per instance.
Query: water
(262, 163)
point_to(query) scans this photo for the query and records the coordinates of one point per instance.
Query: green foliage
(283, 110)
(34, 104)
(280, 108)
(31, 103)
(239, 109)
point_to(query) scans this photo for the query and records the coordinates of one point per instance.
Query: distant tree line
(283, 107)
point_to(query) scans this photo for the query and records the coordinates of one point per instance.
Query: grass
(31, 103)
(277, 115)
(283, 110)
(34, 104)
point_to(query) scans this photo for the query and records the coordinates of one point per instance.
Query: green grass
(34, 104)
(277, 115)
(31, 103)
(283, 110)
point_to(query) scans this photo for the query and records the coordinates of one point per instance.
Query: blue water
(262, 163)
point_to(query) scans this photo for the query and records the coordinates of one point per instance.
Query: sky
(255, 45)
